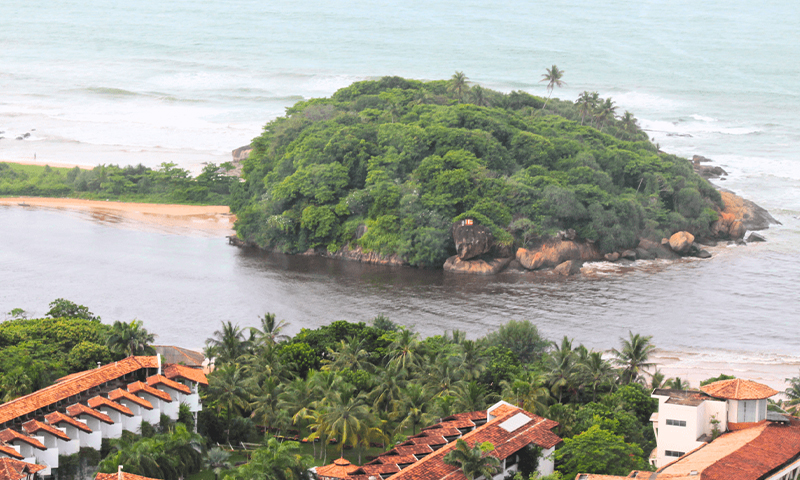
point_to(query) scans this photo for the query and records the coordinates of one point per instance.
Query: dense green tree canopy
(387, 165)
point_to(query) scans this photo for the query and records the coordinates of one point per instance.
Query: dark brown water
(745, 299)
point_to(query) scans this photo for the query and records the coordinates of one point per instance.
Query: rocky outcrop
(476, 266)
(655, 250)
(751, 216)
(357, 254)
(471, 239)
(570, 267)
(681, 242)
(553, 252)
(755, 237)
(238, 157)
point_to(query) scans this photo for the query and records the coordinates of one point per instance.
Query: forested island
(385, 167)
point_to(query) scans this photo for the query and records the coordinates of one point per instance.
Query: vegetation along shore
(444, 174)
(350, 390)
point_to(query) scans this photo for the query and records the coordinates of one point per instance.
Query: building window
(676, 423)
(672, 453)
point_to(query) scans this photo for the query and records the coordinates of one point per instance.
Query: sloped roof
(340, 468)
(162, 380)
(73, 385)
(142, 387)
(34, 426)
(56, 418)
(99, 401)
(10, 451)
(744, 454)
(120, 394)
(738, 389)
(80, 409)
(125, 476)
(192, 374)
(11, 469)
(180, 356)
(8, 435)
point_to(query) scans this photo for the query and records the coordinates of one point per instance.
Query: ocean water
(107, 81)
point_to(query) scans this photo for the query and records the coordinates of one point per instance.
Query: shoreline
(206, 220)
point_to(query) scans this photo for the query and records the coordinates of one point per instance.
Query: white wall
(675, 438)
(114, 430)
(547, 463)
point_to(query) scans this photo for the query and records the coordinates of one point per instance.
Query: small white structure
(71, 427)
(137, 406)
(31, 448)
(116, 412)
(160, 400)
(94, 420)
(687, 420)
(178, 391)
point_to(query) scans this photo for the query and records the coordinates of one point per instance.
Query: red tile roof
(753, 453)
(137, 387)
(80, 409)
(179, 355)
(125, 476)
(34, 426)
(56, 418)
(120, 394)
(73, 385)
(9, 436)
(99, 401)
(340, 468)
(180, 371)
(162, 380)
(11, 469)
(738, 389)
(10, 451)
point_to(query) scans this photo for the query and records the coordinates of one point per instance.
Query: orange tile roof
(340, 468)
(738, 389)
(125, 476)
(8, 436)
(11, 469)
(80, 409)
(34, 426)
(137, 387)
(57, 417)
(744, 454)
(180, 371)
(180, 355)
(99, 401)
(162, 380)
(73, 385)
(119, 394)
(10, 451)
(501, 410)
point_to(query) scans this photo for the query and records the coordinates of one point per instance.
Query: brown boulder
(471, 238)
(628, 254)
(736, 230)
(752, 216)
(554, 252)
(655, 250)
(570, 267)
(612, 257)
(681, 242)
(476, 266)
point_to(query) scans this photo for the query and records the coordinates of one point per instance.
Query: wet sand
(204, 220)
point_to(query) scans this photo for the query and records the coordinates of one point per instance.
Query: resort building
(82, 409)
(721, 432)
(510, 429)
(12, 469)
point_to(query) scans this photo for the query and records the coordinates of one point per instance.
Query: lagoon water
(107, 81)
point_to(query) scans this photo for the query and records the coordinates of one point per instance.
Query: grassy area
(35, 169)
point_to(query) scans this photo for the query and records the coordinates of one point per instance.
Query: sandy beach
(204, 220)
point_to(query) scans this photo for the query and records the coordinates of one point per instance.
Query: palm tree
(458, 84)
(629, 122)
(265, 405)
(471, 397)
(528, 391)
(227, 389)
(130, 339)
(403, 350)
(227, 344)
(596, 371)
(413, 408)
(296, 397)
(562, 367)
(586, 104)
(350, 354)
(793, 393)
(656, 380)
(270, 331)
(388, 390)
(472, 362)
(605, 110)
(633, 358)
(15, 383)
(276, 461)
(677, 384)
(478, 96)
(473, 461)
(552, 76)
(217, 461)
(342, 418)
